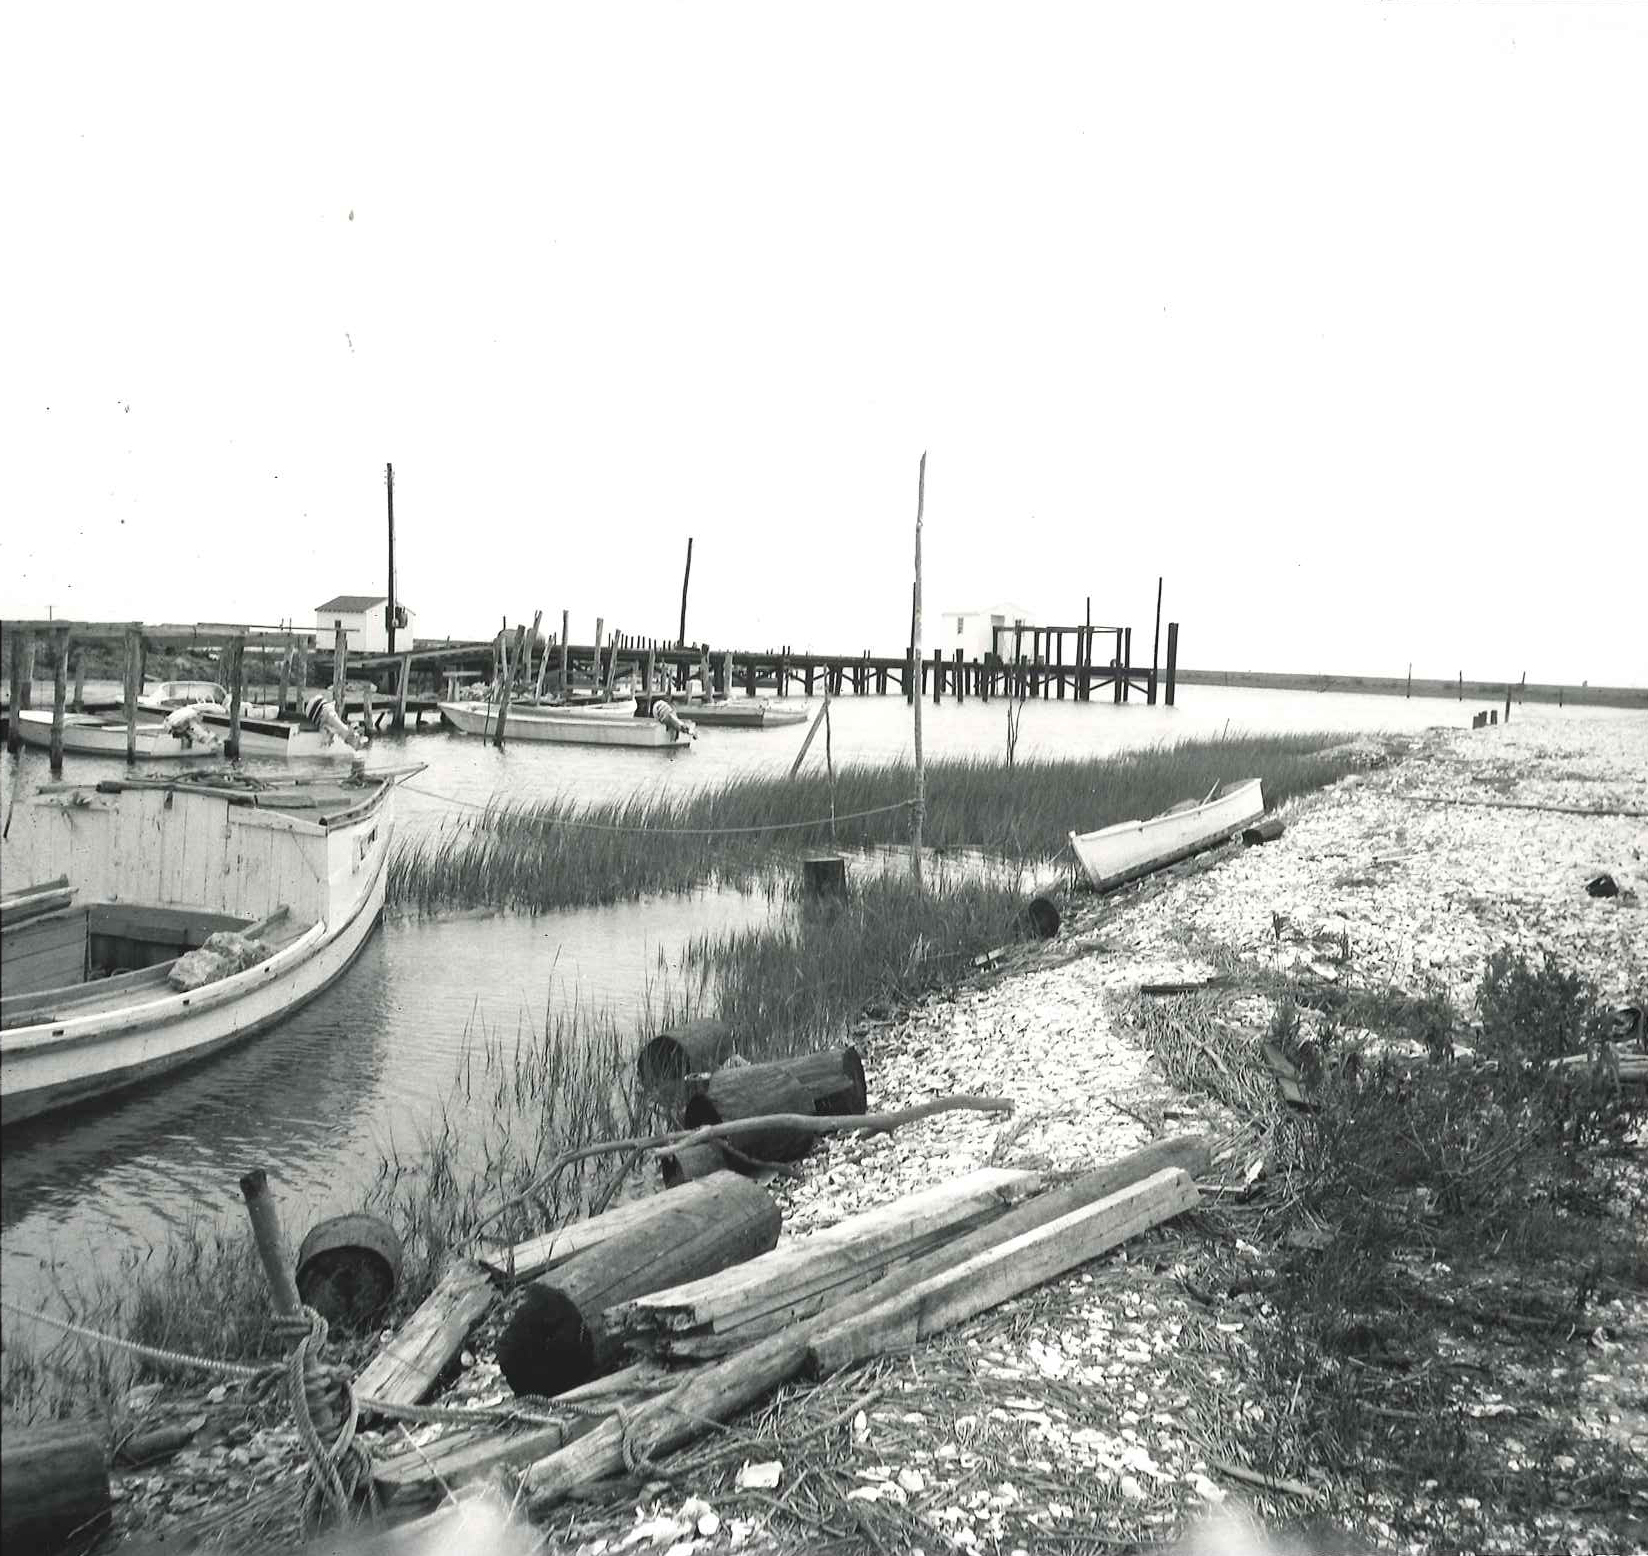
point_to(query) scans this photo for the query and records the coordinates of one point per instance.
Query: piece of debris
(1603, 886)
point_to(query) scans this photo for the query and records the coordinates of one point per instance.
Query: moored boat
(1114, 855)
(609, 724)
(292, 870)
(750, 713)
(93, 734)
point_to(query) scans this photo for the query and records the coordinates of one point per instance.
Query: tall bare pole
(915, 636)
(686, 578)
(389, 614)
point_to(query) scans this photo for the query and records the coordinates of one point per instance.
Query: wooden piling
(507, 679)
(54, 1485)
(920, 806)
(402, 680)
(14, 709)
(1156, 645)
(340, 670)
(302, 675)
(236, 652)
(1507, 705)
(1127, 661)
(724, 679)
(30, 654)
(1172, 659)
(60, 696)
(77, 665)
(686, 578)
(284, 696)
(133, 688)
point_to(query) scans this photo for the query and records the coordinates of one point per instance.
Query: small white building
(970, 631)
(362, 617)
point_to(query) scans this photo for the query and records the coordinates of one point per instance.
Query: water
(370, 1063)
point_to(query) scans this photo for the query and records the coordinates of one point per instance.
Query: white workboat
(611, 724)
(94, 734)
(297, 866)
(1130, 849)
(263, 731)
(743, 713)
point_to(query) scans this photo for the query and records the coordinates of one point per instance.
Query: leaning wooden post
(14, 711)
(506, 679)
(133, 688)
(1172, 659)
(60, 695)
(686, 578)
(920, 806)
(237, 652)
(77, 658)
(1156, 644)
(277, 1270)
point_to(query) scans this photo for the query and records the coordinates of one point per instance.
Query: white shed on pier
(970, 631)
(362, 617)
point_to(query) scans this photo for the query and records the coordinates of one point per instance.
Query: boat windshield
(182, 694)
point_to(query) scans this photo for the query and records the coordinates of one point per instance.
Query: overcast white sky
(1334, 314)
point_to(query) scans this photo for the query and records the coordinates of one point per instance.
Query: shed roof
(351, 604)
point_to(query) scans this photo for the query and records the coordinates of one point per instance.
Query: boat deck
(120, 990)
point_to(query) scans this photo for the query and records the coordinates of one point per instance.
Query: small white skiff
(1124, 852)
(143, 871)
(94, 734)
(609, 725)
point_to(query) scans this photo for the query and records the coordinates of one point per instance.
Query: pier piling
(60, 691)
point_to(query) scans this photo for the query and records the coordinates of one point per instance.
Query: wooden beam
(406, 1368)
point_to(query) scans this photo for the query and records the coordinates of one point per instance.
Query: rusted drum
(348, 1268)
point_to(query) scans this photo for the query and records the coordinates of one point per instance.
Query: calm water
(373, 1059)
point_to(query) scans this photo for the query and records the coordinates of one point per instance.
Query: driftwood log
(721, 1389)
(692, 1161)
(1266, 831)
(556, 1340)
(405, 1369)
(54, 1486)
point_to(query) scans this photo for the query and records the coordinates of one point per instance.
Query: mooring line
(602, 826)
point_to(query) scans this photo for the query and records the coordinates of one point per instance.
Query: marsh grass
(559, 853)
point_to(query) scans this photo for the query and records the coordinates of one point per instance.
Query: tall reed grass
(560, 853)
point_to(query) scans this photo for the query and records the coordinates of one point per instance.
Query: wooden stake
(1156, 644)
(133, 688)
(920, 807)
(14, 711)
(507, 680)
(277, 1270)
(566, 620)
(340, 669)
(236, 652)
(60, 693)
(77, 659)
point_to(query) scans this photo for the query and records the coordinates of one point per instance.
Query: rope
(153, 1353)
(601, 826)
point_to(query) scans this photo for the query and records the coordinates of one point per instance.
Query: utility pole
(389, 610)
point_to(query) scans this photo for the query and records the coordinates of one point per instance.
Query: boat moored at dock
(611, 724)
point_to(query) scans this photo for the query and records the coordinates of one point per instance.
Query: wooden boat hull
(1115, 855)
(86, 734)
(221, 857)
(277, 737)
(741, 715)
(583, 728)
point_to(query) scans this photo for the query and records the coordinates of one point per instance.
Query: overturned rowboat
(1130, 849)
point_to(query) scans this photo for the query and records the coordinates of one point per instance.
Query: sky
(1333, 316)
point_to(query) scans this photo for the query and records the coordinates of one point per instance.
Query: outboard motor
(667, 716)
(186, 725)
(322, 715)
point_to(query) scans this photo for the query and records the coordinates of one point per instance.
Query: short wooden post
(1172, 659)
(1507, 705)
(14, 709)
(277, 1270)
(649, 669)
(960, 688)
(506, 680)
(600, 627)
(938, 676)
(29, 656)
(723, 681)
(782, 675)
(236, 653)
(1461, 685)
(60, 696)
(1116, 667)
(749, 678)
(77, 661)
(133, 687)
(1410, 681)
(1156, 644)
(825, 876)
(566, 664)
(1127, 661)
(301, 676)
(284, 695)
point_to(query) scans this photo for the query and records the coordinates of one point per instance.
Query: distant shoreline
(1489, 693)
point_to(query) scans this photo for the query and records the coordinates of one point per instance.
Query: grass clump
(558, 853)
(1453, 1206)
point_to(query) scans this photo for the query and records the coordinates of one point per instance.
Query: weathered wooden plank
(869, 1241)
(994, 1275)
(405, 1369)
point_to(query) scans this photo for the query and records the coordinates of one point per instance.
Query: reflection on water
(373, 1059)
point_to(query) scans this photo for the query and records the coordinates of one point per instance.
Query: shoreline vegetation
(539, 855)
(567, 1081)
